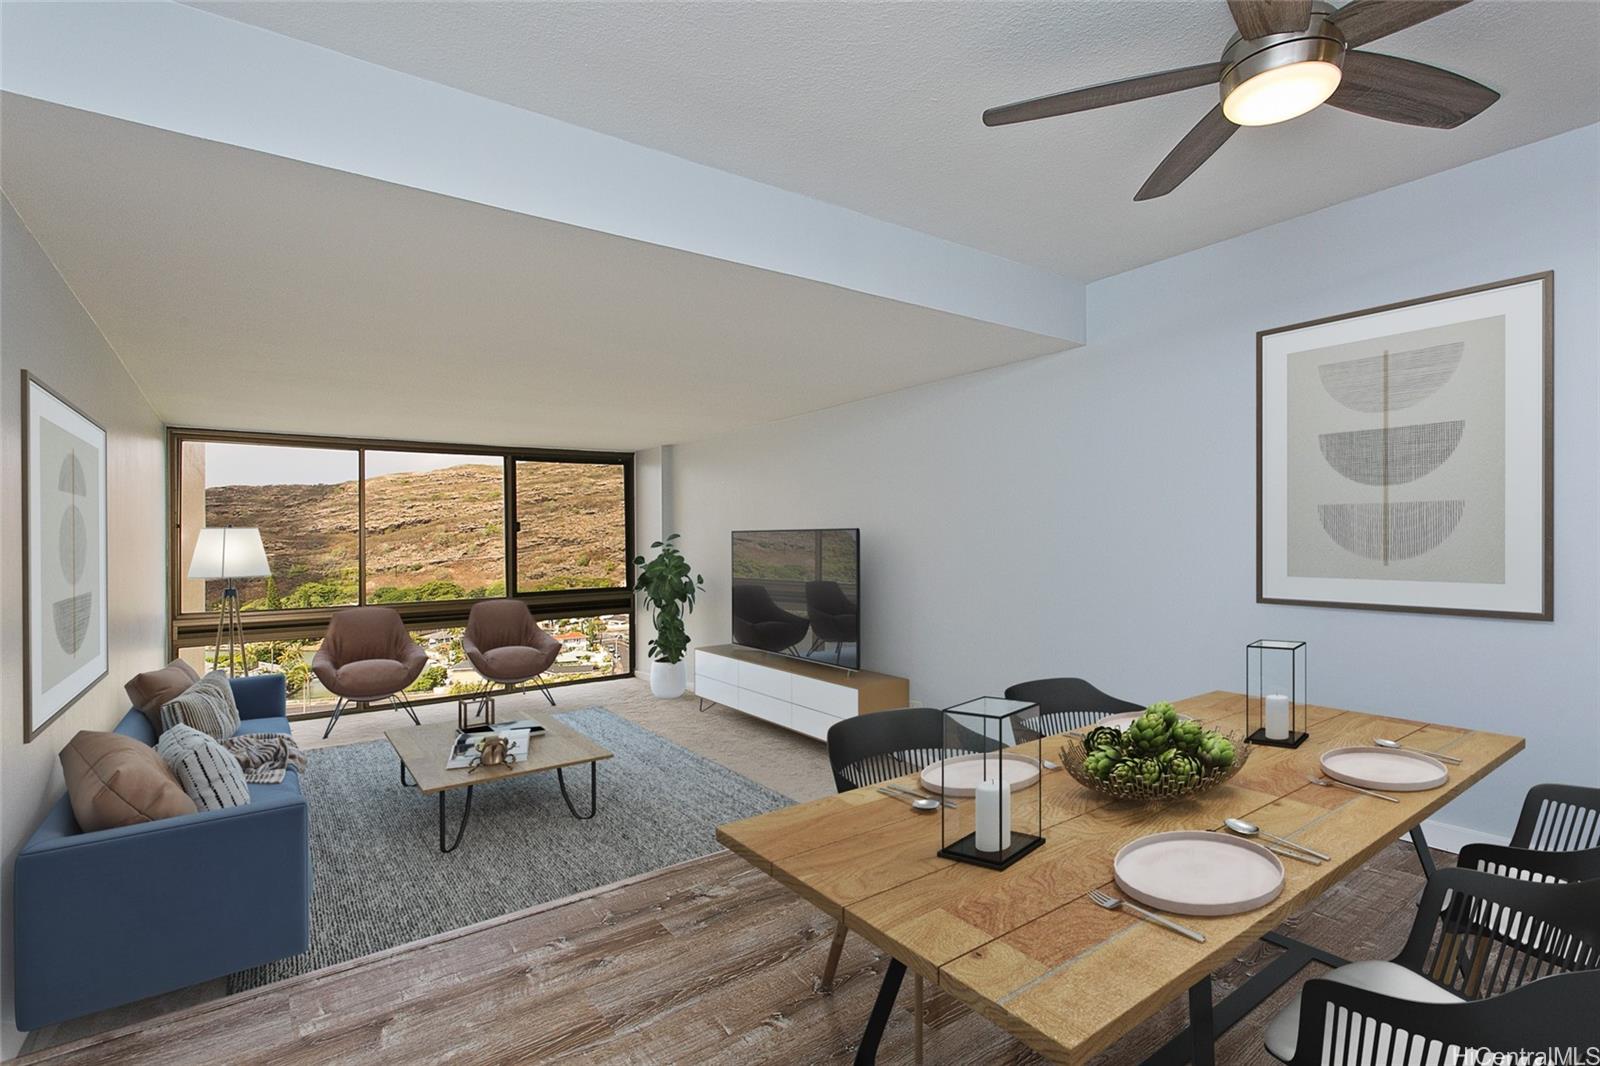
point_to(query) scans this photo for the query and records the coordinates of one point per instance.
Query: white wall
(43, 329)
(1093, 512)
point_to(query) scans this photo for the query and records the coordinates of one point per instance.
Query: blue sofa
(106, 918)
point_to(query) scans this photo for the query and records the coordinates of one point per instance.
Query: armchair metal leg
(338, 707)
(546, 690)
(1424, 857)
(834, 951)
(401, 703)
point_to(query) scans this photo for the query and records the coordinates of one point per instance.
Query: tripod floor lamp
(229, 553)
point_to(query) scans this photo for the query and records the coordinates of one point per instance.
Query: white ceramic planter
(668, 681)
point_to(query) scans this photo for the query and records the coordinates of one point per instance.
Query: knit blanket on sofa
(266, 756)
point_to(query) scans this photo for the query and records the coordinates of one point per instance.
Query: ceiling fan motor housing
(1319, 42)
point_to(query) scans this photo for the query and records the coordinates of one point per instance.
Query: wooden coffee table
(424, 749)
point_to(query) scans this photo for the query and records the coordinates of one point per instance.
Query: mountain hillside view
(433, 535)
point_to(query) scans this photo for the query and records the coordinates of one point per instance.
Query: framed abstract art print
(1403, 455)
(64, 554)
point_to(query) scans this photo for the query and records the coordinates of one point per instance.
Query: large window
(425, 529)
(572, 526)
(435, 526)
(304, 501)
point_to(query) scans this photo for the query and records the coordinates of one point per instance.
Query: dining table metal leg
(867, 1053)
(1202, 1031)
(1424, 856)
(1207, 1022)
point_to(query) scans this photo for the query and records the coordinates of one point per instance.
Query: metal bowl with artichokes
(1160, 756)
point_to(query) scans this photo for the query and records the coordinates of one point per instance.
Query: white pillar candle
(1277, 719)
(992, 809)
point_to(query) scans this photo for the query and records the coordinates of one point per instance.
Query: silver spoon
(923, 805)
(1441, 756)
(1328, 782)
(1250, 829)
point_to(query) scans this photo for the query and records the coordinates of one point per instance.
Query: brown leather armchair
(368, 657)
(506, 645)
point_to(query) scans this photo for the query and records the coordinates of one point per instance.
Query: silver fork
(918, 795)
(1112, 903)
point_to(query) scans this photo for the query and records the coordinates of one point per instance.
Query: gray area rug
(380, 880)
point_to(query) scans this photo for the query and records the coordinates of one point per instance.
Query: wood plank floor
(708, 962)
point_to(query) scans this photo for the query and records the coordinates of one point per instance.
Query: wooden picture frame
(1405, 455)
(64, 555)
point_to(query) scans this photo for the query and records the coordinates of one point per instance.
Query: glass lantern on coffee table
(992, 769)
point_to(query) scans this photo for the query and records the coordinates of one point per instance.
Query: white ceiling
(249, 291)
(875, 106)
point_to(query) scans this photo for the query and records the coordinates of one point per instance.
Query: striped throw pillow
(209, 773)
(206, 705)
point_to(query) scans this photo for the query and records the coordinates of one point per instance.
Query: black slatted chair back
(1559, 818)
(1480, 935)
(1531, 864)
(1067, 703)
(1341, 1025)
(872, 748)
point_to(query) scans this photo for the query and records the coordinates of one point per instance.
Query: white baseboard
(1452, 838)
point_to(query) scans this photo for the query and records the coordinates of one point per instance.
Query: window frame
(187, 628)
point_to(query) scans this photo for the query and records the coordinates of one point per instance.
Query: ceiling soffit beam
(188, 71)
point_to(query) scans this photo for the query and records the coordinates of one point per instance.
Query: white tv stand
(805, 697)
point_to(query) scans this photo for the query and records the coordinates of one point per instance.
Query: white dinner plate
(1193, 872)
(1392, 769)
(962, 774)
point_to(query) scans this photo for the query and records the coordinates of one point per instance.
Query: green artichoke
(1166, 710)
(1216, 750)
(1186, 735)
(1148, 734)
(1148, 772)
(1124, 773)
(1180, 769)
(1103, 736)
(1098, 763)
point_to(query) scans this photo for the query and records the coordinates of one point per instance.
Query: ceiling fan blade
(1104, 95)
(1197, 146)
(1366, 20)
(1258, 18)
(1402, 90)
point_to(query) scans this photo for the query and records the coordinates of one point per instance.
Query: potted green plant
(670, 588)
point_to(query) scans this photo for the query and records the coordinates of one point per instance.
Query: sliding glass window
(435, 527)
(304, 501)
(426, 529)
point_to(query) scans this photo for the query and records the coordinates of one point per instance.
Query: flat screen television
(797, 592)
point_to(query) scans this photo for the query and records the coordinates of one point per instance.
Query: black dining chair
(870, 749)
(1478, 940)
(1559, 818)
(1067, 703)
(1354, 1027)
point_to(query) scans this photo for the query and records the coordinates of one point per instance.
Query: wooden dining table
(1027, 948)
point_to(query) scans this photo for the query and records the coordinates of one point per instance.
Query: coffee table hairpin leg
(466, 813)
(593, 793)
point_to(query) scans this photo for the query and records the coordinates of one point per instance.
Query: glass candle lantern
(992, 769)
(1275, 693)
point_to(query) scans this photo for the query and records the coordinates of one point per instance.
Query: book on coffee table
(466, 745)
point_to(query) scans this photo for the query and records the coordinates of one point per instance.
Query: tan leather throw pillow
(113, 780)
(154, 689)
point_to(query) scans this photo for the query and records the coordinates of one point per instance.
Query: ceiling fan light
(1281, 93)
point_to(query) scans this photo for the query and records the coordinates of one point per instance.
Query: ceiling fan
(1288, 57)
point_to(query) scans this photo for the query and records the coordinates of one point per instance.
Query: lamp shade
(229, 552)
